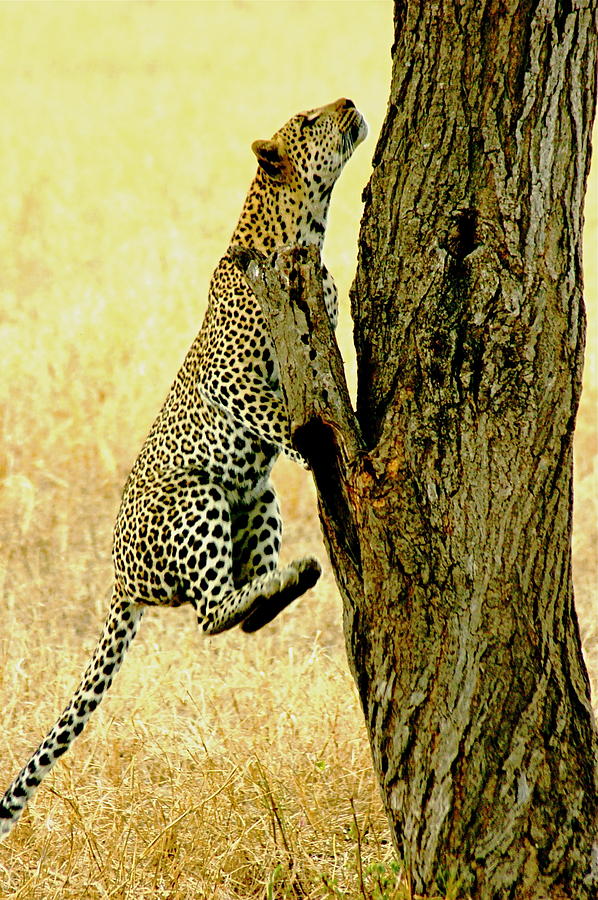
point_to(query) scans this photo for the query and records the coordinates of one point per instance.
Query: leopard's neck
(275, 215)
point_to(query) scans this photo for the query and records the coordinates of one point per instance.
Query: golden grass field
(234, 767)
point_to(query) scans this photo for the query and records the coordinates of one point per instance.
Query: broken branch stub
(288, 286)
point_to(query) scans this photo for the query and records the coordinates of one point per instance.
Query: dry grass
(229, 768)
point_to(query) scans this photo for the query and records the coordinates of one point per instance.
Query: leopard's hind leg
(256, 533)
(184, 541)
(243, 584)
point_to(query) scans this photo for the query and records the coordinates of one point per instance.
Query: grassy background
(235, 767)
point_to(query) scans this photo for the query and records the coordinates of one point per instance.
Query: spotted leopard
(199, 521)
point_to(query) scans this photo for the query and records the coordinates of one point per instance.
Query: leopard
(199, 521)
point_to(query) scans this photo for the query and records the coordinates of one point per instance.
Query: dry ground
(236, 767)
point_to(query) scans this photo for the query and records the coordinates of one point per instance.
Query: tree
(446, 499)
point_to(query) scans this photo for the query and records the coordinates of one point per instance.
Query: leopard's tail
(119, 630)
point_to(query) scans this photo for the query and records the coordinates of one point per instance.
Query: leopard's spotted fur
(199, 521)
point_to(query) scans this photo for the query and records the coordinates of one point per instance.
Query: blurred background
(224, 768)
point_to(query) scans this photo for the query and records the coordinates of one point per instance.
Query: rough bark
(446, 502)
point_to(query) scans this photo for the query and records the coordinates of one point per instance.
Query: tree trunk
(446, 503)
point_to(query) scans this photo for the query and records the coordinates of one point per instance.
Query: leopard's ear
(272, 158)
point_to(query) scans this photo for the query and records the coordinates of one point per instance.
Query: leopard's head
(311, 149)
